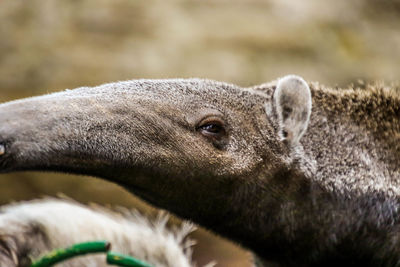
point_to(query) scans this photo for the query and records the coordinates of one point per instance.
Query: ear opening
(292, 101)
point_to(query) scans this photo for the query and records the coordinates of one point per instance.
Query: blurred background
(48, 45)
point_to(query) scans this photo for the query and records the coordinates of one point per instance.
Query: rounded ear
(292, 102)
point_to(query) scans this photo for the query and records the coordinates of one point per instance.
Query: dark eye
(212, 128)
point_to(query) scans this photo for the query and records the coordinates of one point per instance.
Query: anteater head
(185, 145)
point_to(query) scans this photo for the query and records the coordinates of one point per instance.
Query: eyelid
(198, 116)
(210, 120)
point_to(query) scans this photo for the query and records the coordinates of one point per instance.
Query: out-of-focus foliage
(48, 45)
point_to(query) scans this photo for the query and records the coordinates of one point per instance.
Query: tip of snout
(2, 149)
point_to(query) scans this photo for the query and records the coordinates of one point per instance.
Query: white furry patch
(66, 223)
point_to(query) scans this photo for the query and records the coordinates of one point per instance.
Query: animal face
(166, 140)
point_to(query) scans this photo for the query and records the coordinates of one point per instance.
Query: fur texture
(326, 192)
(31, 229)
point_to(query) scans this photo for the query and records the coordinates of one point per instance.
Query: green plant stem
(126, 261)
(59, 255)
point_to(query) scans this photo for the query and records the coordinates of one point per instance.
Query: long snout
(79, 130)
(116, 129)
(36, 132)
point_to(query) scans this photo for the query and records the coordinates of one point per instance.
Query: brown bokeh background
(48, 45)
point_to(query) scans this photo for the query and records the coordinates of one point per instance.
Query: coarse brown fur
(376, 108)
(298, 186)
